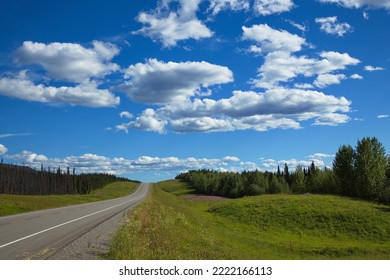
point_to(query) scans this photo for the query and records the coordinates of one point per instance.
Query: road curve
(38, 234)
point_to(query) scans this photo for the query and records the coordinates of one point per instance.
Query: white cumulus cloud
(156, 82)
(356, 77)
(370, 68)
(126, 114)
(278, 108)
(217, 6)
(69, 61)
(272, 40)
(382, 116)
(3, 149)
(325, 80)
(86, 94)
(283, 67)
(332, 26)
(169, 26)
(318, 159)
(148, 121)
(268, 7)
(332, 119)
(93, 163)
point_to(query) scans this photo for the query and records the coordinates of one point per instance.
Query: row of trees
(362, 172)
(15, 179)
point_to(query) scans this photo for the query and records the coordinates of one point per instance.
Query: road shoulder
(94, 243)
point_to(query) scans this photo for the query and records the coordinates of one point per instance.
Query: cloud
(278, 108)
(385, 4)
(28, 157)
(86, 94)
(320, 156)
(268, 7)
(283, 67)
(156, 82)
(297, 25)
(216, 6)
(126, 114)
(332, 119)
(382, 116)
(325, 80)
(272, 40)
(201, 124)
(370, 68)
(356, 77)
(63, 62)
(320, 160)
(331, 26)
(148, 121)
(68, 61)
(303, 86)
(272, 165)
(14, 135)
(91, 163)
(169, 27)
(231, 158)
(3, 149)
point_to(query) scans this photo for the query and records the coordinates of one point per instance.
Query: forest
(23, 180)
(362, 172)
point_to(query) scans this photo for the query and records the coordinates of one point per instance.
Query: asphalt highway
(38, 234)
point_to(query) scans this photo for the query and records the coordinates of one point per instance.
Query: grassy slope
(264, 227)
(16, 204)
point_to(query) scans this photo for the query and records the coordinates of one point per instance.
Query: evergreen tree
(286, 174)
(343, 168)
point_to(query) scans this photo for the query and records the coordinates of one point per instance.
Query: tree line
(362, 172)
(22, 180)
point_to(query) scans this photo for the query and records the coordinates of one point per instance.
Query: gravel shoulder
(93, 244)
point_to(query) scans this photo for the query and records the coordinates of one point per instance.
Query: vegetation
(21, 180)
(16, 204)
(169, 226)
(363, 172)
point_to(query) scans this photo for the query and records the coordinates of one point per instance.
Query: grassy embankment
(167, 226)
(16, 204)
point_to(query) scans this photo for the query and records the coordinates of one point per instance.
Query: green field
(168, 226)
(16, 204)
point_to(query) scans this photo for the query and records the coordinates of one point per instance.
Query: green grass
(166, 226)
(16, 204)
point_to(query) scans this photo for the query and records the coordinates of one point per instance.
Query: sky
(149, 89)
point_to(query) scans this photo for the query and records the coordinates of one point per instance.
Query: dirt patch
(204, 197)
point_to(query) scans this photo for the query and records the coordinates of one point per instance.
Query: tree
(286, 173)
(313, 180)
(370, 168)
(298, 180)
(343, 168)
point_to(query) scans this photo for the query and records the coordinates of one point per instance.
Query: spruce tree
(343, 168)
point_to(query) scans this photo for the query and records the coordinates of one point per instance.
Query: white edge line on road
(57, 226)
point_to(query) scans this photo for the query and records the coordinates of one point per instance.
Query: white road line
(57, 226)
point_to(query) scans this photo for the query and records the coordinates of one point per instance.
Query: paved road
(39, 234)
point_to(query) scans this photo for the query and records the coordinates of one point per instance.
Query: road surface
(38, 234)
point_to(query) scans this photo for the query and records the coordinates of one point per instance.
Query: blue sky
(147, 89)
